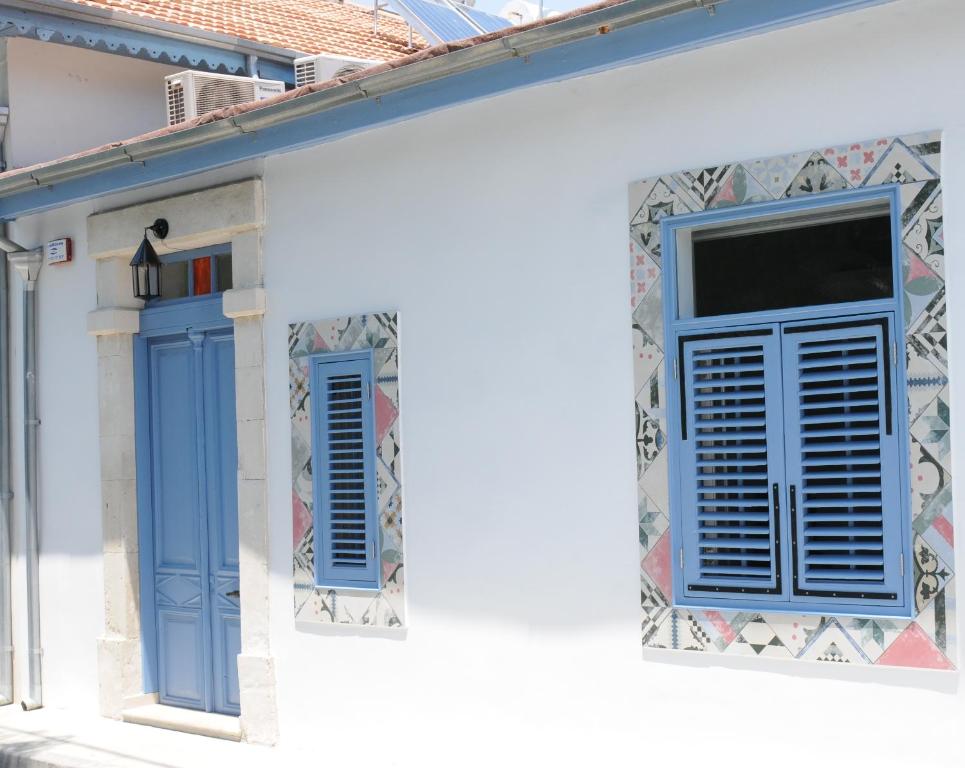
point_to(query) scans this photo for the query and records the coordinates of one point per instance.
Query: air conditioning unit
(190, 94)
(318, 69)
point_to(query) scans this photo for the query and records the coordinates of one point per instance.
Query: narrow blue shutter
(843, 460)
(731, 463)
(343, 473)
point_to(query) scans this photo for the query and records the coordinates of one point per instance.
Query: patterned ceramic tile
(920, 285)
(653, 523)
(795, 631)
(925, 378)
(817, 175)
(913, 162)
(758, 638)
(874, 634)
(929, 480)
(703, 184)
(932, 429)
(737, 188)
(924, 233)
(899, 164)
(931, 574)
(832, 643)
(775, 174)
(656, 201)
(378, 332)
(856, 161)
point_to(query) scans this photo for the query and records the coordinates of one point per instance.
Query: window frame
(674, 225)
(324, 579)
(189, 255)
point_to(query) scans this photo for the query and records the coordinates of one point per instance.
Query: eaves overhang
(583, 43)
(55, 21)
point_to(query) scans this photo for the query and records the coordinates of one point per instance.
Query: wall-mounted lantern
(146, 266)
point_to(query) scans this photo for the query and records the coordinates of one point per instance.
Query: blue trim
(327, 572)
(673, 327)
(636, 43)
(221, 249)
(201, 313)
(96, 36)
(205, 315)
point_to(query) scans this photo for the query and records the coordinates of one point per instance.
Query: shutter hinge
(368, 391)
(675, 368)
(894, 356)
(901, 563)
(681, 553)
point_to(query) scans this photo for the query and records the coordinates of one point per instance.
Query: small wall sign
(59, 251)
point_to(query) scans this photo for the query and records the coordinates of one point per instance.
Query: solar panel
(437, 23)
(486, 22)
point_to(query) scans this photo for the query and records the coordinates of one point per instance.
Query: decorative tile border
(928, 640)
(378, 332)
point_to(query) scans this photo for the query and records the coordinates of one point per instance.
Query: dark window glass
(224, 272)
(801, 266)
(174, 280)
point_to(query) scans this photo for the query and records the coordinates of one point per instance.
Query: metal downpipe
(6, 495)
(27, 264)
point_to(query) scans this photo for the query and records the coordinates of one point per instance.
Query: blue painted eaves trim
(257, 134)
(96, 36)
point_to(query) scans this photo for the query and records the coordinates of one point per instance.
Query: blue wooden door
(193, 447)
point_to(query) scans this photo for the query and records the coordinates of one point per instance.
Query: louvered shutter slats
(343, 461)
(842, 460)
(790, 426)
(732, 532)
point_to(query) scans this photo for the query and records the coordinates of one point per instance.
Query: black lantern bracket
(159, 228)
(146, 266)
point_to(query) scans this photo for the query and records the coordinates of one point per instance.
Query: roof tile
(308, 26)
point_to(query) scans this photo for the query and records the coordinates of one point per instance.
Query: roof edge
(122, 20)
(299, 118)
(421, 67)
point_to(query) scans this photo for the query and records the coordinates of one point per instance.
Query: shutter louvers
(343, 460)
(843, 460)
(731, 462)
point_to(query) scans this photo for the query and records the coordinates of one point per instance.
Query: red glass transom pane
(202, 275)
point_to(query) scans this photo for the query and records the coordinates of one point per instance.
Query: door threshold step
(185, 720)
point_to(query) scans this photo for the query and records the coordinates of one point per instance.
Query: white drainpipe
(27, 263)
(6, 494)
(6, 552)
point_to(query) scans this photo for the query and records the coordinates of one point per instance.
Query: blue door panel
(181, 657)
(230, 647)
(222, 504)
(177, 539)
(193, 497)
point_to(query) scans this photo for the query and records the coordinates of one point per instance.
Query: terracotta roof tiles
(307, 26)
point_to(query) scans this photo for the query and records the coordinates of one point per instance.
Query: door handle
(235, 593)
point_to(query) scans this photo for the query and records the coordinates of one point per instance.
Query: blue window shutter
(732, 461)
(343, 472)
(843, 459)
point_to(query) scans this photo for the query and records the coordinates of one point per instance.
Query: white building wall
(505, 254)
(65, 100)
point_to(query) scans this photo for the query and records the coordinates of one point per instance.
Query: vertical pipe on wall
(6, 494)
(27, 264)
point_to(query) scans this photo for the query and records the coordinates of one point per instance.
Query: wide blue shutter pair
(343, 471)
(790, 481)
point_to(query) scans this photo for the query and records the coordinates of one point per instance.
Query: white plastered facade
(523, 601)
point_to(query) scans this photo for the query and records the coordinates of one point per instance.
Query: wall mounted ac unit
(190, 94)
(318, 69)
